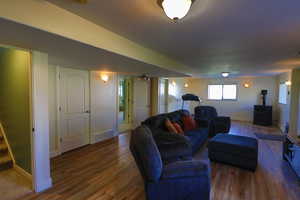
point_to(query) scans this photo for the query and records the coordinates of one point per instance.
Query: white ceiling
(245, 37)
(68, 53)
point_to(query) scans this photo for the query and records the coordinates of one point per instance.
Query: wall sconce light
(173, 83)
(104, 77)
(288, 83)
(246, 85)
(186, 85)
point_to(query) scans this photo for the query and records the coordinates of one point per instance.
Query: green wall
(15, 103)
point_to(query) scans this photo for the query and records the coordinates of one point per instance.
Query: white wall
(242, 108)
(103, 107)
(176, 90)
(283, 110)
(103, 124)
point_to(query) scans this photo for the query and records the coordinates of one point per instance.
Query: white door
(141, 100)
(74, 108)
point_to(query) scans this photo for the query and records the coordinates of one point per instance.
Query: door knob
(87, 111)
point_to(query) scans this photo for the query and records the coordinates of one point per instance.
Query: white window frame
(222, 99)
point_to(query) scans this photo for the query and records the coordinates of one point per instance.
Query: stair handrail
(7, 143)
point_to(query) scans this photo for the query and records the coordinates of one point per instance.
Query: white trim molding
(55, 153)
(40, 116)
(104, 135)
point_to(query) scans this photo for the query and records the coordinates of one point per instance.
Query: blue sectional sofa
(174, 146)
(184, 179)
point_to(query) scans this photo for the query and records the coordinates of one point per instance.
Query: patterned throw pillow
(189, 123)
(178, 128)
(170, 126)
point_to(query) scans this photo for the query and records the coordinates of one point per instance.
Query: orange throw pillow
(189, 123)
(170, 126)
(178, 128)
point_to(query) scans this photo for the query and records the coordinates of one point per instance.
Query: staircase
(5, 159)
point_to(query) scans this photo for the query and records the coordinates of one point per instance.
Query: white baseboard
(104, 135)
(54, 153)
(22, 172)
(44, 185)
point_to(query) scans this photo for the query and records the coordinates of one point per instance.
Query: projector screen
(283, 93)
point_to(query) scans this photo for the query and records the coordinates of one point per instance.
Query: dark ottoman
(234, 150)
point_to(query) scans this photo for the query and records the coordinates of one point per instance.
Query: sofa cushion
(197, 137)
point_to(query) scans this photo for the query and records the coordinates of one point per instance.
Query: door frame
(36, 185)
(134, 122)
(58, 117)
(166, 91)
(41, 178)
(127, 126)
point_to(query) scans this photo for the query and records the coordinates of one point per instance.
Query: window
(222, 92)
(283, 93)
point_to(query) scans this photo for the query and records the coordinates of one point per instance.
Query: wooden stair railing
(6, 161)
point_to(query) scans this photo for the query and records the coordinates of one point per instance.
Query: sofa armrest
(222, 124)
(182, 169)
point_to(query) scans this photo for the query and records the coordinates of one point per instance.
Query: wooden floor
(13, 185)
(106, 171)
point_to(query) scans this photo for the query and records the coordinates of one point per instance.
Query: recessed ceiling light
(225, 74)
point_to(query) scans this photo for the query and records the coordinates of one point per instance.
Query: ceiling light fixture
(175, 9)
(225, 74)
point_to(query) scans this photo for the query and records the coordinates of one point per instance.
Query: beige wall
(103, 106)
(283, 110)
(15, 105)
(242, 108)
(176, 90)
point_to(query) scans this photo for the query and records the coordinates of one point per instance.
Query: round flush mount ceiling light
(175, 9)
(225, 74)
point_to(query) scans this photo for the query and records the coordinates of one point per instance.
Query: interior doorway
(74, 109)
(163, 95)
(125, 88)
(16, 159)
